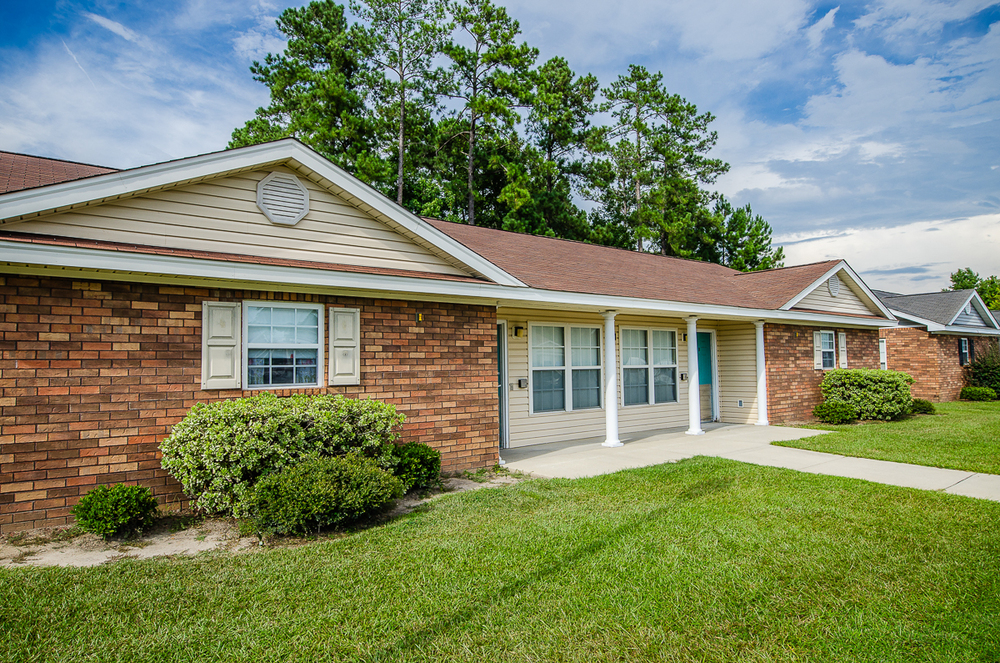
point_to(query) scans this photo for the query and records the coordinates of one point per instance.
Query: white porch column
(610, 382)
(694, 388)
(761, 376)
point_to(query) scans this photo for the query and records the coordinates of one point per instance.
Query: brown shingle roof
(22, 171)
(30, 238)
(557, 264)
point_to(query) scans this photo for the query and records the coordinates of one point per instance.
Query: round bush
(835, 412)
(984, 371)
(320, 492)
(977, 394)
(417, 465)
(921, 406)
(112, 510)
(875, 394)
(220, 450)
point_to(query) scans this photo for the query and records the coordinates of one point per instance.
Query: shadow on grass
(515, 587)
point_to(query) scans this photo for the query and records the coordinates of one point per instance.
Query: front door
(705, 373)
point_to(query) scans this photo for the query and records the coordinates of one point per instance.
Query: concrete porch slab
(749, 444)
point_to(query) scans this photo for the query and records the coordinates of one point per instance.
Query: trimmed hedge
(220, 450)
(321, 492)
(921, 406)
(417, 465)
(977, 394)
(835, 412)
(984, 371)
(876, 394)
(112, 510)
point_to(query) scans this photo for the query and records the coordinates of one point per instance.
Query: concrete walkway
(750, 444)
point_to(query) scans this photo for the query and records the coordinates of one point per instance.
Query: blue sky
(865, 130)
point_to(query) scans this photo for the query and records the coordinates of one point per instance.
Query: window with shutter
(220, 345)
(824, 350)
(283, 344)
(345, 346)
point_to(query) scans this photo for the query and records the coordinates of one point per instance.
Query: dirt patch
(187, 535)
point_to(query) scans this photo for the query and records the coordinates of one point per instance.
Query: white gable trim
(980, 306)
(842, 265)
(58, 197)
(938, 328)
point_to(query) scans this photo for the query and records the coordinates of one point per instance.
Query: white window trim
(567, 367)
(833, 334)
(320, 374)
(650, 366)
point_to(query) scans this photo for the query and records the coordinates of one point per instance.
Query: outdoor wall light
(522, 383)
(684, 377)
(519, 331)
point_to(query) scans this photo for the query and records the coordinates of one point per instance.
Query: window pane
(259, 315)
(259, 334)
(548, 391)
(827, 340)
(307, 335)
(547, 346)
(281, 367)
(283, 316)
(664, 348)
(828, 360)
(634, 347)
(636, 386)
(586, 346)
(306, 317)
(283, 334)
(586, 388)
(664, 385)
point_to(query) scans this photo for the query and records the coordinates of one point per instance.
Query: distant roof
(939, 307)
(23, 171)
(563, 265)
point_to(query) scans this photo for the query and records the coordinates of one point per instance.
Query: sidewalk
(749, 444)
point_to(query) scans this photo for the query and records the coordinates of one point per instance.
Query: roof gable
(19, 206)
(941, 310)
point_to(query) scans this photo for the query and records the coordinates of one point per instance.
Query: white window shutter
(220, 345)
(817, 351)
(345, 346)
(842, 347)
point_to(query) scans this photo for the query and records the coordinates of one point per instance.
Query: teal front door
(705, 373)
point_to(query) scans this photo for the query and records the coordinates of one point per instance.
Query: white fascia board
(968, 331)
(842, 265)
(980, 305)
(129, 182)
(923, 322)
(119, 264)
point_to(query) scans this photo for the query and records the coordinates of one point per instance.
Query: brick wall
(931, 359)
(93, 375)
(792, 382)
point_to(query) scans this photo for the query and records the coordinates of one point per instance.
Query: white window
(824, 350)
(649, 366)
(551, 372)
(283, 344)
(963, 351)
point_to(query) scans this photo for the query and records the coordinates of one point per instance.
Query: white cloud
(118, 29)
(815, 32)
(909, 258)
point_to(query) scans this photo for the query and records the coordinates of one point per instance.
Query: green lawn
(961, 436)
(702, 560)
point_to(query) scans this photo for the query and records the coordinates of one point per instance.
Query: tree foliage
(988, 288)
(423, 100)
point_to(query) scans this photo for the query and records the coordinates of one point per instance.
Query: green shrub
(984, 371)
(835, 412)
(119, 509)
(320, 492)
(876, 394)
(417, 465)
(977, 394)
(219, 450)
(920, 406)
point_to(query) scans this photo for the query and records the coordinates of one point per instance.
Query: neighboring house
(938, 334)
(128, 296)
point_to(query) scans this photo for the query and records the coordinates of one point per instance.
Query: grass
(961, 436)
(702, 560)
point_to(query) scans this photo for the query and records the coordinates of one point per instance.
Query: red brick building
(939, 334)
(128, 296)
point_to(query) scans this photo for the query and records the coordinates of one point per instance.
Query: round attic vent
(968, 308)
(834, 285)
(283, 198)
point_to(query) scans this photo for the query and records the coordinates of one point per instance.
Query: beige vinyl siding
(527, 428)
(846, 301)
(222, 215)
(736, 347)
(970, 319)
